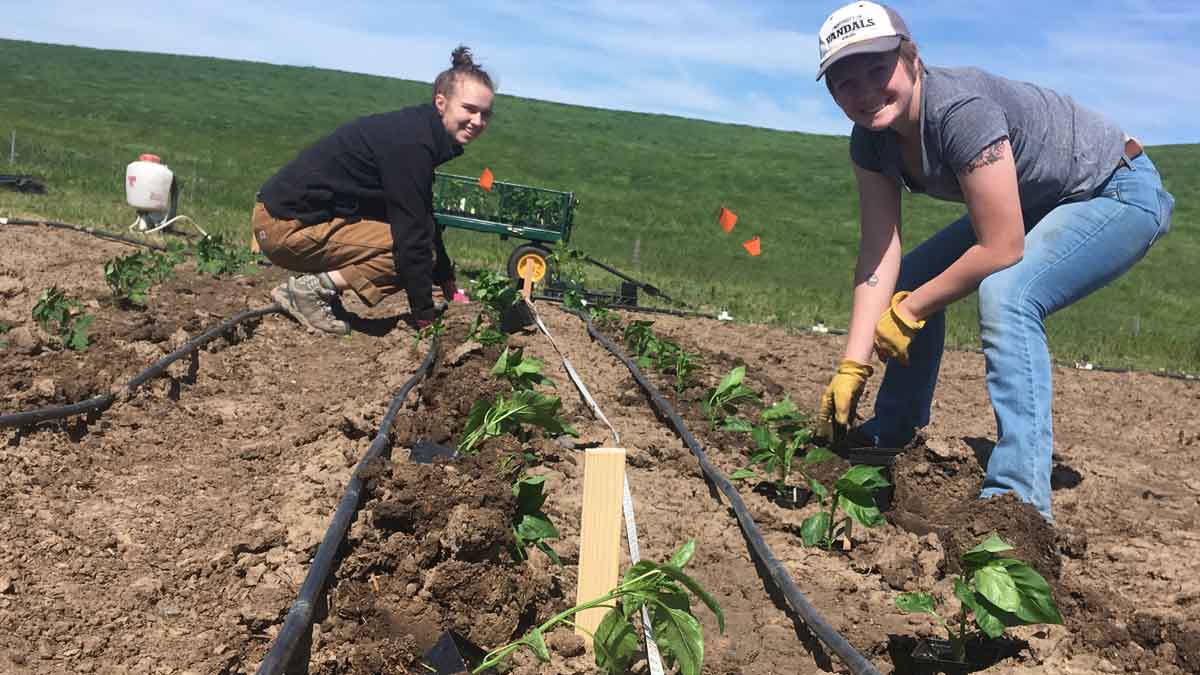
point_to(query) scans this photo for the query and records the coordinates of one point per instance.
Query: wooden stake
(599, 533)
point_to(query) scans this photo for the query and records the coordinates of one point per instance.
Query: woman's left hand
(894, 332)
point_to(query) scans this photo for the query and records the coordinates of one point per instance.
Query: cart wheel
(524, 255)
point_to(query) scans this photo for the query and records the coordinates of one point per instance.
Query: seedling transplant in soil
(780, 435)
(521, 373)
(723, 399)
(218, 257)
(501, 415)
(433, 330)
(854, 495)
(71, 327)
(649, 349)
(997, 591)
(664, 591)
(130, 277)
(531, 526)
(496, 295)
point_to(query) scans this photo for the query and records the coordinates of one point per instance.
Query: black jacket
(378, 167)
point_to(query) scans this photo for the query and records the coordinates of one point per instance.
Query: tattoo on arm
(990, 155)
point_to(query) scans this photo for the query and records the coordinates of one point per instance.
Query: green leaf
(683, 555)
(536, 526)
(550, 553)
(813, 529)
(765, 438)
(782, 410)
(743, 474)
(615, 642)
(818, 489)
(76, 336)
(674, 572)
(1037, 602)
(993, 544)
(733, 379)
(678, 634)
(501, 364)
(985, 551)
(638, 569)
(537, 642)
(738, 425)
(863, 513)
(863, 477)
(992, 626)
(529, 491)
(818, 455)
(994, 583)
(916, 603)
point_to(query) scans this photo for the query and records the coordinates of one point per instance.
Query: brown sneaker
(310, 303)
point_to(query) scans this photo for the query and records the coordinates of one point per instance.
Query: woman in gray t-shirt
(1060, 201)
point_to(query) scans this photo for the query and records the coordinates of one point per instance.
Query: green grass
(80, 115)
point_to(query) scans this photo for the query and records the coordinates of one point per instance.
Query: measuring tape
(653, 659)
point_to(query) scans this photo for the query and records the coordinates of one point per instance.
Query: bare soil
(171, 532)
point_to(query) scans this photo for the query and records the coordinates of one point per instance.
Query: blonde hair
(462, 65)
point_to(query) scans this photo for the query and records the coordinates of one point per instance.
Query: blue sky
(746, 62)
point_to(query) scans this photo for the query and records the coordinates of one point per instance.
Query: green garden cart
(538, 216)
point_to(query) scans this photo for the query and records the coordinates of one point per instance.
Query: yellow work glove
(893, 333)
(840, 400)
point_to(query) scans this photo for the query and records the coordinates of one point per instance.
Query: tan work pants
(361, 251)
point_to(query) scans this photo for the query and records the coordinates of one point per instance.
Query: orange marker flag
(753, 246)
(486, 179)
(727, 219)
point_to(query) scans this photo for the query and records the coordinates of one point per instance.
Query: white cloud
(749, 63)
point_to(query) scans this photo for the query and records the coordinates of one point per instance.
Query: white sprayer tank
(148, 184)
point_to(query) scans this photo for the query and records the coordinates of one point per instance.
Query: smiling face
(875, 90)
(467, 110)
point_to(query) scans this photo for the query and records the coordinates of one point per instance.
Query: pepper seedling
(495, 294)
(433, 330)
(501, 415)
(854, 495)
(724, 398)
(219, 257)
(531, 526)
(130, 277)
(53, 306)
(997, 591)
(521, 373)
(664, 591)
(779, 437)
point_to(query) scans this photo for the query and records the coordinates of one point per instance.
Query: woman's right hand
(840, 400)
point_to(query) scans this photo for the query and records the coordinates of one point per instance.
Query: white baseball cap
(859, 28)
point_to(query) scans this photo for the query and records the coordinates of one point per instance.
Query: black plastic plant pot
(870, 455)
(453, 654)
(791, 497)
(516, 317)
(937, 656)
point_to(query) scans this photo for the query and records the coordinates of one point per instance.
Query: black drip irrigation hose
(298, 624)
(95, 232)
(103, 401)
(633, 308)
(857, 663)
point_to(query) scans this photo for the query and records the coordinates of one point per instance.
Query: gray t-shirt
(1063, 151)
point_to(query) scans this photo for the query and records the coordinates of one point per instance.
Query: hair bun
(461, 57)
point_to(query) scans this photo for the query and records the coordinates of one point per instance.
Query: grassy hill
(80, 115)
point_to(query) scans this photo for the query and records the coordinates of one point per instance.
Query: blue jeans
(1074, 249)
